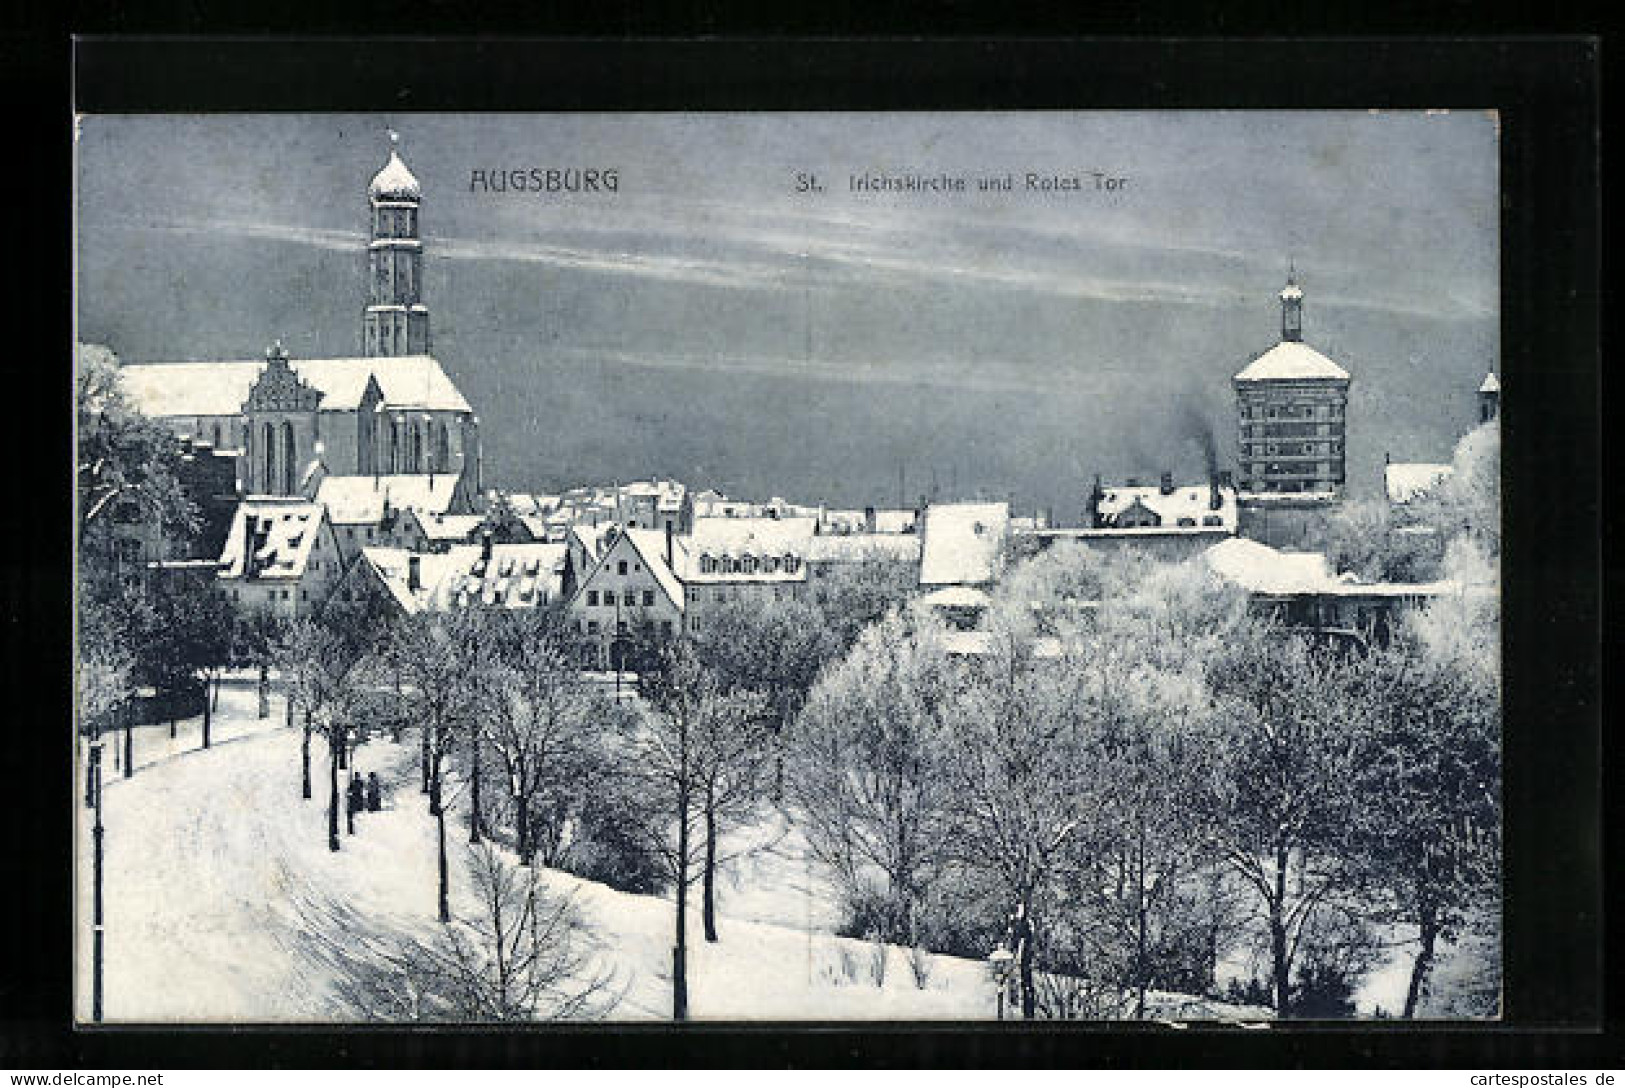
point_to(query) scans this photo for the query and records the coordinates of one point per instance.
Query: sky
(716, 320)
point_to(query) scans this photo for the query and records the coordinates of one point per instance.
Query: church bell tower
(396, 321)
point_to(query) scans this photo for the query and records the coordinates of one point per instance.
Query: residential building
(627, 594)
(727, 560)
(280, 556)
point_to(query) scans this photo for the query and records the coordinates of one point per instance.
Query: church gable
(279, 389)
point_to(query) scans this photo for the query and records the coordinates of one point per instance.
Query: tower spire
(396, 321)
(1291, 306)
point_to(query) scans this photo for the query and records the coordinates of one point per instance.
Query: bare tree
(522, 953)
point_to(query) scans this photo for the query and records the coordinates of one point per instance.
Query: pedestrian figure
(374, 802)
(357, 798)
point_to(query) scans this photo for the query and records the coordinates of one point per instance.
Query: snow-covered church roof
(1291, 360)
(220, 388)
(1491, 383)
(394, 181)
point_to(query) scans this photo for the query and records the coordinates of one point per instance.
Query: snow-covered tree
(1281, 799)
(324, 687)
(545, 729)
(1430, 784)
(694, 752)
(443, 668)
(1017, 760)
(866, 778)
(126, 465)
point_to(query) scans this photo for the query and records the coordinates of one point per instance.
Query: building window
(609, 596)
(648, 598)
(592, 627)
(665, 628)
(592, 596)
(620, 567)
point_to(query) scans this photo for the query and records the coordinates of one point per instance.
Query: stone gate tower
(1290, 404)
(396, 321)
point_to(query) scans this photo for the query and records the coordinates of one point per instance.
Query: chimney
(1167, 483)
(414, 573)
(868, 519)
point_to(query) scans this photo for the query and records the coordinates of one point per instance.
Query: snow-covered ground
(221, 895)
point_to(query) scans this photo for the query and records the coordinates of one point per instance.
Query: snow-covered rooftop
(443, 527)
(220, 388)
(394, 181)
(284, 532)
(725, 536)
(1490, 384)
(1193, 502)
(961, 541)
(357, 500)
(516, 576)
(1407, 481)
(1291, 360)
(1259, 568)
(863, 547)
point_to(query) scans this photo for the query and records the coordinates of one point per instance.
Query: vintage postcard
(788, 566)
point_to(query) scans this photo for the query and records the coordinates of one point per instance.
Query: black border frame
(1547, 93)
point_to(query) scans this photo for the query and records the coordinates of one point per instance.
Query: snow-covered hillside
(223, 903)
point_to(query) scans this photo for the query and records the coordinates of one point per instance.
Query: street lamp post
(96, 832)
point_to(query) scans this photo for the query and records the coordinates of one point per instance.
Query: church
(289, 423)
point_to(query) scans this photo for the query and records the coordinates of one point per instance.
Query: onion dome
(394, 181)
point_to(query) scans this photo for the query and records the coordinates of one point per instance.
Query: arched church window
(290, 460)
(217, 436)
(268, 456)
(417, 449)
(442, 449)
(394, 446)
